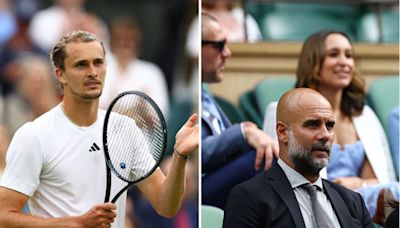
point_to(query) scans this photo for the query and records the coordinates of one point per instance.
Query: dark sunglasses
(219, 44)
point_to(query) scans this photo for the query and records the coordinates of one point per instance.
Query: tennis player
(56, 162)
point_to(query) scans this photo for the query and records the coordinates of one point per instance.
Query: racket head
(134, 136)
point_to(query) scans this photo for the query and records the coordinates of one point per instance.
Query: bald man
(278, 198)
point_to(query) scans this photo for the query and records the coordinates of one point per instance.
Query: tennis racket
(134, 139)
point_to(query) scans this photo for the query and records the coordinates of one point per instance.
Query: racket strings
(135, 137)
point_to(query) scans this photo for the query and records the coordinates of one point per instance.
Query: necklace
(65, 113)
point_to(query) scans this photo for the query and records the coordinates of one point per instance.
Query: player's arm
(12, 202)
(166, 193)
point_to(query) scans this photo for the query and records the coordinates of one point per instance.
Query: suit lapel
(225, 120)
(282, 187)
(204, 116)
(342, 213)
(206, 92)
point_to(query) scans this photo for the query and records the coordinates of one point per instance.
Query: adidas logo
(94, 148)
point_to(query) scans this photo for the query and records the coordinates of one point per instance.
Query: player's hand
(266, 147)
(101, 215)
(187, 138)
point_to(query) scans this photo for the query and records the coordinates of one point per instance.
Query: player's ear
(60, 75)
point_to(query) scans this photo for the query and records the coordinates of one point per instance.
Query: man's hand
(263, 143)
(101, 215)
(187, 138)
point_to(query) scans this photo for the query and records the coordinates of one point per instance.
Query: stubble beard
(91, 97)
(302, 158)
(87, 96)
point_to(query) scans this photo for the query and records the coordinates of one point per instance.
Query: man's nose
(92, 71)
(324, 134)
(226, 52)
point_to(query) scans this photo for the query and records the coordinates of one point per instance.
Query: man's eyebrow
(98, 59)
(312, 122)
(87, 61)
(81, 61)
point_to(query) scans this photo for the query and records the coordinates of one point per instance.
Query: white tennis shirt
(60, 166)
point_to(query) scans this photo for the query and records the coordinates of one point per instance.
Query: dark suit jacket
(218, 150)
(267, 200)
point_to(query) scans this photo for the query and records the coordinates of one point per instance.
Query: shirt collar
(205, 96)
(295, 178)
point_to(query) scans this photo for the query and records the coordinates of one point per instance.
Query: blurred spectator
(63, 16)
(4, 143)
(231, 18)
(192, 48)
(187, 217)
(127, 72)
(130, 220)
(170, 54)
(8, 22)
(144, 215)
(15, 48)
(394, 137)
(35, 92)
(49, 24)
(90, 22)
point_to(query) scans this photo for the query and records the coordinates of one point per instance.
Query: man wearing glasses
(230, 153)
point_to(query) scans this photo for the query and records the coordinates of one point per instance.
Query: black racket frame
(109, 165)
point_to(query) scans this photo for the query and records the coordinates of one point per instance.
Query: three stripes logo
(94, 148)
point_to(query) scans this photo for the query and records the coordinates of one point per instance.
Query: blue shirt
(346, 161)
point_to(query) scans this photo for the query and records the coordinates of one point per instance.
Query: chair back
(372, 25)
(383, 96)
(295, 22)
(211, 217)
(234, 114)
(249, 106)
(270, 90)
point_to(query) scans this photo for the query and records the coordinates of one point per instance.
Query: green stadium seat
(368, 29)
(334, 10)
(234, 114)
(383, 96)
(295, 22)
(249, 106)
(258, 9)
(270, 90)
(211, 217)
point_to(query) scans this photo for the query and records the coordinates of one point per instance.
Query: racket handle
(108, 186)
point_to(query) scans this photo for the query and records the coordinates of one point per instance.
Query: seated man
(226, 148)
(291, 193)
